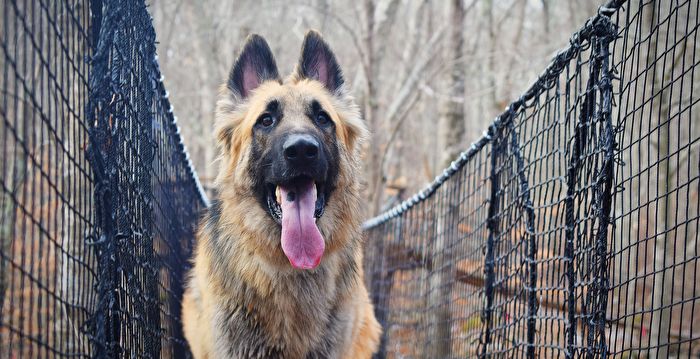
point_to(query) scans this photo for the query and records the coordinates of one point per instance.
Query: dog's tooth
(278, 194)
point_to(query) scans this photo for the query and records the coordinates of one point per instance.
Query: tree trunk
(453, 122)
(74, 286)
(491, 74)
(663, 253)
(453, 127)
(371, 106)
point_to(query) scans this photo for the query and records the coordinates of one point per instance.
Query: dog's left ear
(317, 62)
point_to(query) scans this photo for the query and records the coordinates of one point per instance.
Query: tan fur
(254, 256)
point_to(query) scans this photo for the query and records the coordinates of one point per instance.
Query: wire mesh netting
(570, 229)
(99, 199)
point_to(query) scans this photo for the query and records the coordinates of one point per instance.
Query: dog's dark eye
(266, 120)
(322, 119)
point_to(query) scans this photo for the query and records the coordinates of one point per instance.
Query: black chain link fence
(570, 229)
(99, 199)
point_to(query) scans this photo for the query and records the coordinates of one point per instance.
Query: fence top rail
(163, 94)
(577, 42)
(184, 154)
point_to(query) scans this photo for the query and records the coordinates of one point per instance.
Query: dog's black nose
(300, 149)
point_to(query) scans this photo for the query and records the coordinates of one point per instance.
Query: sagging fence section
(570, 229)
(99, 199)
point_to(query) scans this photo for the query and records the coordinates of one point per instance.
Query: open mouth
(296, 205)
(274, 196)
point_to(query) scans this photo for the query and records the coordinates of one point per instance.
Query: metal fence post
(603, 196)
(494, 232)
(526, 203)
(570, 223)
(105, 325)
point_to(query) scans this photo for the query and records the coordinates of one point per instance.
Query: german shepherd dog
(278, 264)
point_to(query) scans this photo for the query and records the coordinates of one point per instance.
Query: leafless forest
(429, 76)
(399, 59)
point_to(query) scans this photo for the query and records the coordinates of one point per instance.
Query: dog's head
(290, 146)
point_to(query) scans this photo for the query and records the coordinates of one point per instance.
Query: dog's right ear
(254, 65)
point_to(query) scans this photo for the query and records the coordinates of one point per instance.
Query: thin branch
(346, 27)
(397, 127)
(412, 80)
(395, 130)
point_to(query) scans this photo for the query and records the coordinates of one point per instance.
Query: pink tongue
(302, 243)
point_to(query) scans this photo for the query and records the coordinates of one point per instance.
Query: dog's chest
(310, 316)
(301, 319)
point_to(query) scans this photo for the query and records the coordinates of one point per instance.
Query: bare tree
(453, 127)
(667, 231)
(452, 119)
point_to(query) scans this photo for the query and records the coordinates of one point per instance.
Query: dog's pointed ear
(317, 62)
(254, 65)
